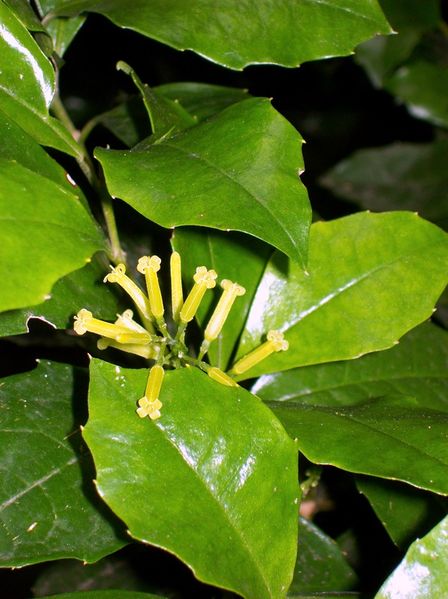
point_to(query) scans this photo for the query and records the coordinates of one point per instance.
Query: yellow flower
(149, 408)
(150, 404)
(117, 275)
(167, 347)
(221, 377)
(149, 266)
(177, 297)
(275, 343)
(203, 279)
(84, 322)
(220, 313)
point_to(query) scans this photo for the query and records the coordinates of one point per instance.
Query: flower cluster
(154, 338)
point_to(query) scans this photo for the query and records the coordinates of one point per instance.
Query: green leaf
(202, 100)
(405, 512)
(167, 117)
(235, 35)
(49, 508)
(410, 18)
(18, 145)
(169, 479)
(63, 31)
(46, 234)
(26, 15)
(371, 278)
(320, 564)
(105, 595)
(413, 440)
(83, 288)
(422, 573)
(238, 170)
(27, 85)
(422, 86)
(412, 14)
(416, 366)
(129, 120)
(233, 256)
(399, 176)
(382, 55)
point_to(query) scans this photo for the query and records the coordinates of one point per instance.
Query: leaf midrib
(355, 281)
(38, 483)
(165, 437)
(226, 516)
(289, 397)
(234, 181)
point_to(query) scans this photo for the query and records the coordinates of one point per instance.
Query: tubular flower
(84, 321)
(203, 279)
(117, 275)
(149, 404)
(221, 377)
(177, 297)
(164, 343)
(221, 312)
(275, 342)
(149, 266)
(145, 351)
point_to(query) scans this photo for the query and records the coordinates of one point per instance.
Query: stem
(117, 253)
(87, 167)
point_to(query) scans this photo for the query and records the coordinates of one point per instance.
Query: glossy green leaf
(401, 176)
(167, 117)
(27, 85)
(63, 31)
(26, 15)
(202, 100)
(129, 121)
(422, 573)
(422, 86)
(417, 366)
(29, 19)
(238, 170)
(18, 145)
(46, 233)
(83, 288)
(371, 278)
(107, 594)
(413, 440)
(235, 34)
(405, 512)
(48, 505)
(233, 256)
(320, 564)
(176, 471)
